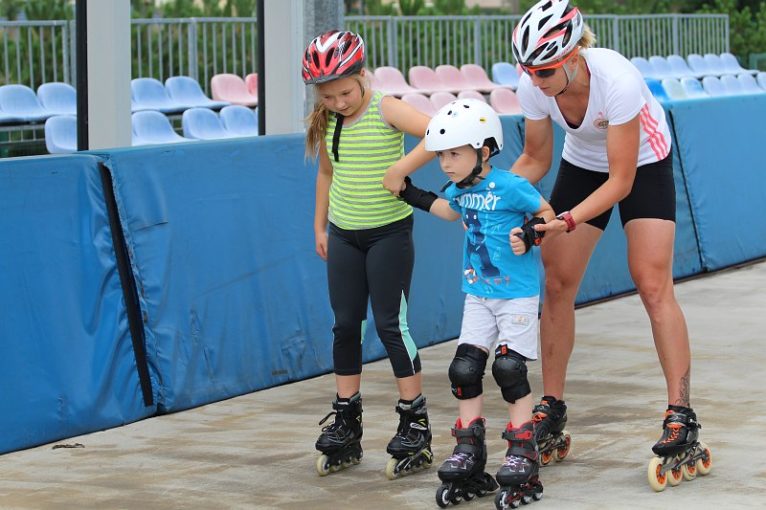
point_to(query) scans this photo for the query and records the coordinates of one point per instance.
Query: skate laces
(515, 462)
(458, 458)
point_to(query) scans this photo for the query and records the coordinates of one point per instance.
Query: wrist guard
(529, 235)
(417, 197)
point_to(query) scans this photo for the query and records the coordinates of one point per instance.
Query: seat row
(503, 101)
(151, 127)
(444, 78)
(694, 66)
(709, 86)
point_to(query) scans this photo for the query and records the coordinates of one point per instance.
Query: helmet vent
(543, 21)
(442, 131)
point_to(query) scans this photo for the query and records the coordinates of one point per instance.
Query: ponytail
(316, 129)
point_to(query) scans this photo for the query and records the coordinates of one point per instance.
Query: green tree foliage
(747, 25)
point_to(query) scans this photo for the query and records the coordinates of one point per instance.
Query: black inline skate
(463, 473)
(340, 442)
(519, 475)
(553, 442)
(410, 448)
(680, 456)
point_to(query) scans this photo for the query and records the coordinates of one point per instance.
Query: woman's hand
(553, 227)
(321, 244)
(393, 181)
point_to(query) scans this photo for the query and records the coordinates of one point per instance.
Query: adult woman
(617, 151)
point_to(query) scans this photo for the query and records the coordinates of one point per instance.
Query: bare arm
(324, 179)
(407, 119)
(442, 209)
(535, 161)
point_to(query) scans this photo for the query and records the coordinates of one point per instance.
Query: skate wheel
(675, 476)
(323, 466)
(657, 479)
(689, 471)
(526, 499)
(705, 464)
(468, 496)
(562, 451)
(456, 499)
(392, 473)
(500, 500)
(442, 496)
(545, 458)
(538, 494)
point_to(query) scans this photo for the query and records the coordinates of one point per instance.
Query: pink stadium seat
(453, 78)
(231, 88)
(425, 79)
(439, 99)
(390, 80)
(477, 77)
(505, 102)
(251, 80)
(420, 102)
(471, 94)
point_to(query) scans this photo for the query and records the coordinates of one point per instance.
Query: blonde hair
(317, 120)
(588, 38)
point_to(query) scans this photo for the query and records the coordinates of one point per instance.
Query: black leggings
(375, 263)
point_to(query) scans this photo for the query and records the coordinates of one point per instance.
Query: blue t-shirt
(490, 209)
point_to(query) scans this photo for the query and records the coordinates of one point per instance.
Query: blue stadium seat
(748, 83)
(715, 65)
(58, 98)
(20, 102)
(731, 65)
(761, 79)
(662, 67)
(150, 94)
(698, 65)
(655, 87)
(505, 74)
(185, 90)
(643, 65)
(680, 68)
(151, 127)
(61, 134)
(203, 124)
(239, 120)
(713, 86)
(693, 88)
(673, 88)
(732, 85)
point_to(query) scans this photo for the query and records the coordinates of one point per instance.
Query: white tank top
(617, 94)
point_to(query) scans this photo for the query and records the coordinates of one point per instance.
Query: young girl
(365, 235)
(502, 298)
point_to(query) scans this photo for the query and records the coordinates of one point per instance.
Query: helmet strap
(336, 134)
(474, 176)
(571, 75)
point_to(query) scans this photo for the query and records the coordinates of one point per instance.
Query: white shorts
(512, 322)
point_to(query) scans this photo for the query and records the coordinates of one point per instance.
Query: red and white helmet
(548, 31)
(332, 55)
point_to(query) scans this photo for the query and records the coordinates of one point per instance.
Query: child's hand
(517, 243)
(393, 181)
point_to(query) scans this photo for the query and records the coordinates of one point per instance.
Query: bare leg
(410, 387)
(348, 385)
(650, 258)
(470, 409)
(565, 257)
(520, 411)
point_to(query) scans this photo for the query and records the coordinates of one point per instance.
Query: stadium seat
(426, 79)
(713, 86)
(662, 68)
(150, 94)
(61, 134)
(681, 68)
(693, 88)
(673, 88)
(58, 98)
(643, 65)
(231, 88)
(748, 83)
(390, 80)
(203, 124)
(506, 74)
(761, 79)
(453, 78)
(471, 94)
(505, 102)
(186, 90)
(699, 65)
(656, 88)
(732, 85)
(420, 103)
(251, 81)
(439, 99)
(153, 127)
(731, 65)
(714, 64)
(20, 102)
(239, 121)
(477, 77)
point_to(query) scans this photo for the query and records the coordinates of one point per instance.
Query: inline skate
(679, 455)
(463, 473)
(553, 442)
(519, 475)
(410, 448)
(340, 442)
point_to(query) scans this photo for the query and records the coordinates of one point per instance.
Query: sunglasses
(548, 71)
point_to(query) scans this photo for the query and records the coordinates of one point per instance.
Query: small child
(501, 305)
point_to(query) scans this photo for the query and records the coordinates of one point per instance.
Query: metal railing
(406, 41)
(35, 52)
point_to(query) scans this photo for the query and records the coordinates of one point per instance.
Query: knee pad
(510, 372)
(467, 370)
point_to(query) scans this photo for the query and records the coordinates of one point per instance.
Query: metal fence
(35, 52)
(406, 41)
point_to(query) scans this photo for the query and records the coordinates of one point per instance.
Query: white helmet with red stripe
(547, 32)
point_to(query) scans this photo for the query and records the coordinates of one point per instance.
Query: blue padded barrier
(723, 165)
(67, 365)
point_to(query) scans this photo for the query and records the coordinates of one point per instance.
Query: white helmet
(548, 31)
(464, 122)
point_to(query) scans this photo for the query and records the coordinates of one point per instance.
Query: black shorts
(653, 194)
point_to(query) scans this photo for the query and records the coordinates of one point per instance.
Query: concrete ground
(257, 451)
